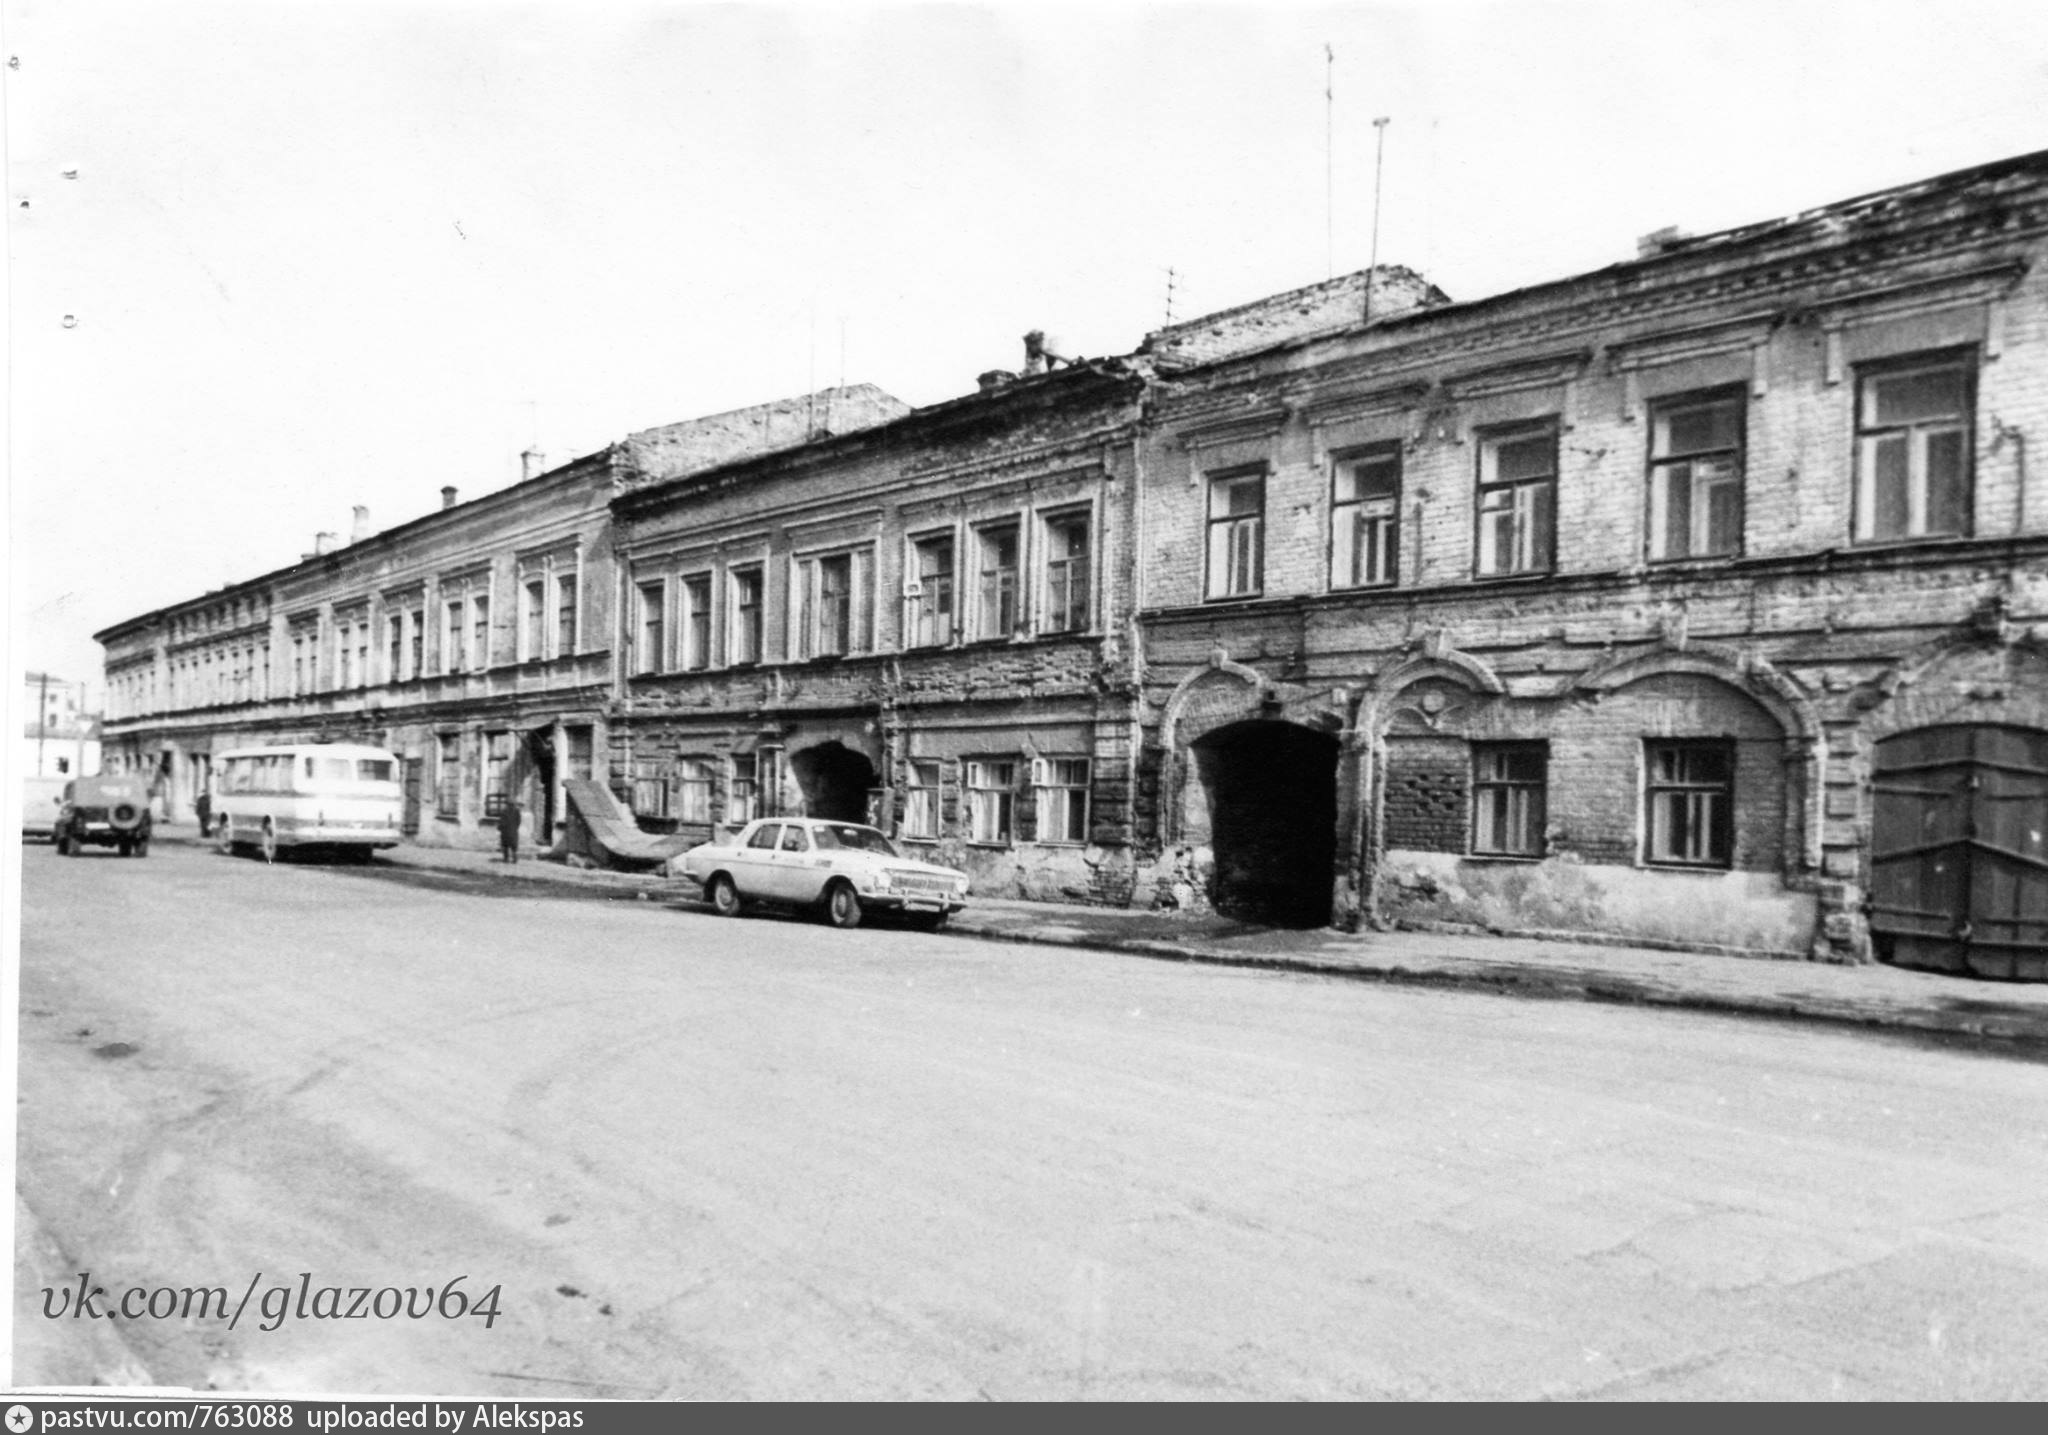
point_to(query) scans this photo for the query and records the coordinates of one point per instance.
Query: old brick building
(475, 642)
(924, 624)
(1699, 598)
(1703, 598)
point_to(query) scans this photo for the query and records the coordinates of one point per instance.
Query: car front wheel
(725, 898)
(842, 907)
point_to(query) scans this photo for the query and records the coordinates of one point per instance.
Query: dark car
(105, 812)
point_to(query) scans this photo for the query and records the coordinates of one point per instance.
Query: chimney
(1034, 352)
(1659, 241)
(532, 464)
(325, 543)
(995, 379)
(448, 496)
(360, 529)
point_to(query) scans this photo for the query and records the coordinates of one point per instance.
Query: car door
(799, 872)
(753, 865)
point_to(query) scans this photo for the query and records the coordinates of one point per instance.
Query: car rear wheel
(269, 840)
(842, 907)
(725, 898)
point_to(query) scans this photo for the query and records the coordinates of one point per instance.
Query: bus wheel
(269, 840)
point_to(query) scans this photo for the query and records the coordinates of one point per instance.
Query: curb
(2010, 1029)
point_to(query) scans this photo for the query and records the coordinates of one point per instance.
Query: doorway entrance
(1270, 790)
(834, 780)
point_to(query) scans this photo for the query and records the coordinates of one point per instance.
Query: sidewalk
(1869, 996)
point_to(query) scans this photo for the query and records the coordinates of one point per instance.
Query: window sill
(1697, 869)
(992, 846)
(1511, 857)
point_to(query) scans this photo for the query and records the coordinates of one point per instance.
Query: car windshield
(858, 839)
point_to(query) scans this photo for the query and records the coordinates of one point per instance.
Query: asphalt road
(760, 1158)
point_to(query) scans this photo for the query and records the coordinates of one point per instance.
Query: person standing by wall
(202, 808)
(508, 830)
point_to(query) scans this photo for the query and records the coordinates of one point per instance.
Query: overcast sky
(317, 255)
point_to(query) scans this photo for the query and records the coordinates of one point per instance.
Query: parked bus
(332, 795)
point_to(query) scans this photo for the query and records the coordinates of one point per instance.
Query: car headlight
(879, 881)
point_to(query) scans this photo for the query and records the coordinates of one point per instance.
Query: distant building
(62, 736)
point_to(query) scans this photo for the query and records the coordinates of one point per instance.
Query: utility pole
(1329, 163)
(1379, 160)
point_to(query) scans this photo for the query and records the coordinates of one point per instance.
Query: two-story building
(1700, 598)
(475, 642)
(925, 624)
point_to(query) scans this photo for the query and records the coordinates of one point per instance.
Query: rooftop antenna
(1172, 278)
(1379, 159)
(1329, 163)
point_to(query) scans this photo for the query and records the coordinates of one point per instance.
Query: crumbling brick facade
(1612, 581)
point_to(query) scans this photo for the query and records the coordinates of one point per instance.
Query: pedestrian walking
(203, 808)
(508, 831)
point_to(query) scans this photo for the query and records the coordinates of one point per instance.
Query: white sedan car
(841, 868)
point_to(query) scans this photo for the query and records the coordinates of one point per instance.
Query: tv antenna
(1372, 264)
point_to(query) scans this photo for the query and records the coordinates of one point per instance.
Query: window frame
(650, 629)
(1490, 440)
(1352, 459)
(448, 776)
(914, 799)
(1534, 821)
(742, 793)
(919, 606)
(1255, 521)
(696, 621)
(998, 588)
(695, 780)
(1072, 796)
(1720, 824)
(1066, 574)
(747, 628)
(997, 799)
(814, 613)
(1660, 465)
(1863, 495)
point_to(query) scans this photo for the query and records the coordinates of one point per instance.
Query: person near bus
(508, 830)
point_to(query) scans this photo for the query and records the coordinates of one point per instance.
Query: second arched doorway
(834, 780)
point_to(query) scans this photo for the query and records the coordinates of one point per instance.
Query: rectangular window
(1517, 502)
(650, 797)
(1696, 477)
(479, 633)
(565, 615)
(418, 666)
(1237, 535)
(746, 615)
(831, 605)
(345, 651)
(741, 805)
(921, 801)
(363, 651)
(534, 631)
(1067, 573)
(991, 800)
(929, 594)
(394, 648)
(1365, 514)
(693, 789)
(1062, 799)
(1689, 803)
(650, 652)
(697, 622)
(451, 638)
(1508, 785)
(997, 577)
(1913, 449)
(448, 777)
(497, 771)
